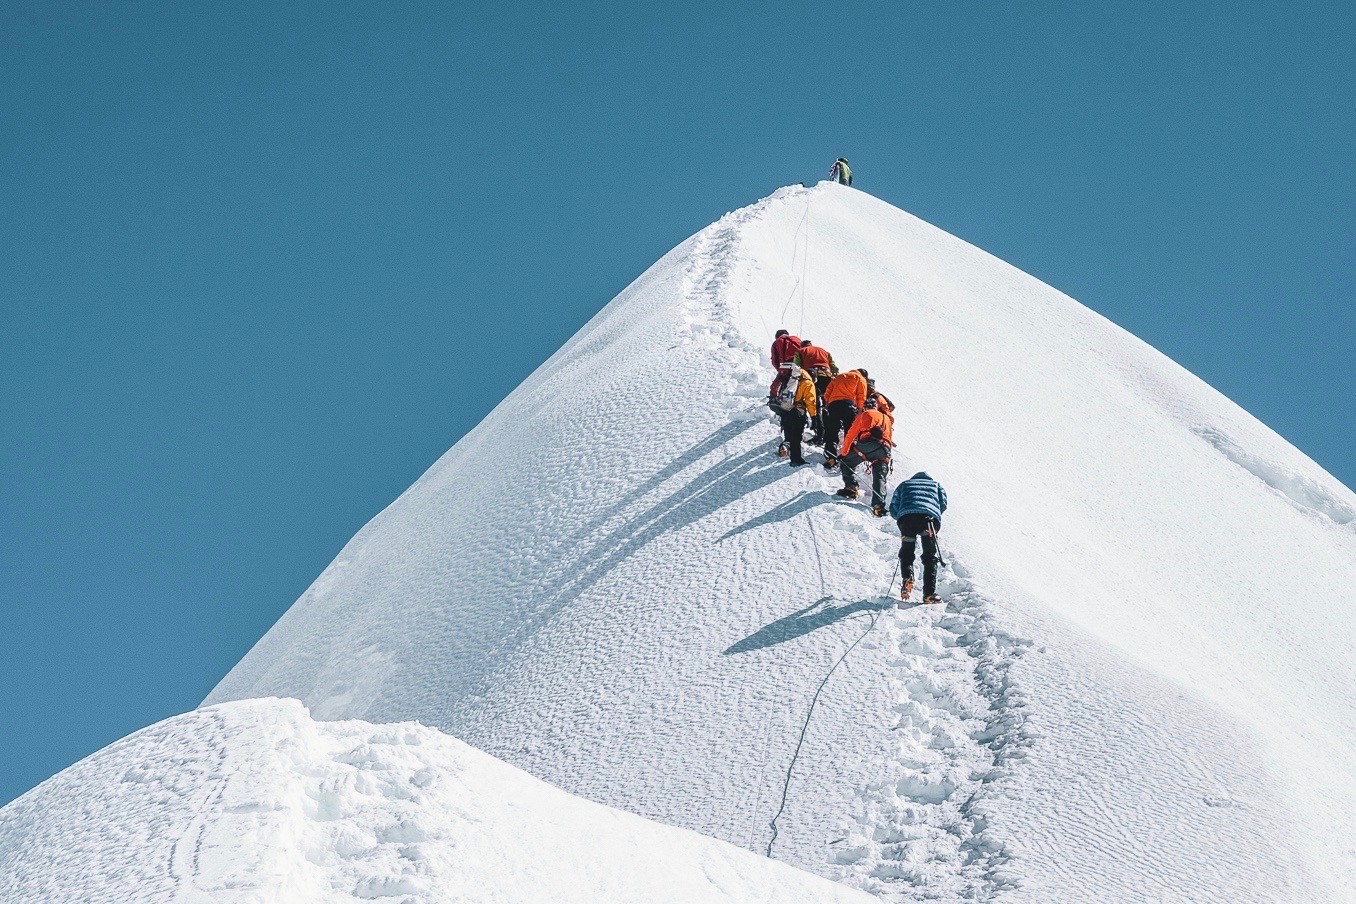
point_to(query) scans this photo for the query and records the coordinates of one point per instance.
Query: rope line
(804, 267)
(805, 727)
(795, 248)
(814, 701)
(803, 284)
(814, 544)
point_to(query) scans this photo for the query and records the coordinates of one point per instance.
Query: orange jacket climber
(850, 386)
(861, 428)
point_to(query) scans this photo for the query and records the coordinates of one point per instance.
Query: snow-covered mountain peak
(1138, 689)
(613, 583)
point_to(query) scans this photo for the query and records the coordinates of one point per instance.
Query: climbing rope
(805, 726)
(814, 701)
(804, 268)
(819, 563)
(795, 248)
(802, 284)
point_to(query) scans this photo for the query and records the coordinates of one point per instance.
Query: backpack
(786, 399)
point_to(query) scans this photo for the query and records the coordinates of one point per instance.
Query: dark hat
(870, 402)
(804, 342)
(780, 334)
(862, 371)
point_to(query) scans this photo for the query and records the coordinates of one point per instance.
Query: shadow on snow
(611, 539)
(784, 511)
(819, 614)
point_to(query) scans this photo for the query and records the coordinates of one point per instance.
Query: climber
(821, 367)
(784, 349)
(811, 358)
(842, 399)
(870, 438)
(841, 172)
(917, 507)
(883, 403)
(805, 407)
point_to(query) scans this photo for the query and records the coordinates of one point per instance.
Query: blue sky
(264, 262)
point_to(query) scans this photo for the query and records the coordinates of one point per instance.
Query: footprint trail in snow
(957, 729)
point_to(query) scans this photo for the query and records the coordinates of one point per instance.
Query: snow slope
(1139, 691)
(255, 801)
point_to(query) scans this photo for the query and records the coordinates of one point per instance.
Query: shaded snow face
(255, 801)
(613, 583)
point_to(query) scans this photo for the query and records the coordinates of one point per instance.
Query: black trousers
(817, 422)
(912, 527)
(838, 417)
(879, 455)
(793, 431)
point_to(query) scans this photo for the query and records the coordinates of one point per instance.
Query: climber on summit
(819, 364)
(784, 349)
(917, 507)
(841, 172)
(870, 438)
(842, 399)
(803, 409)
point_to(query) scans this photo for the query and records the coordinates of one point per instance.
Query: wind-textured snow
(1138, 691)
(255, 801)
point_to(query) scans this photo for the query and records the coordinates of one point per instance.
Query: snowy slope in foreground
(1140, 689)
(255, 801)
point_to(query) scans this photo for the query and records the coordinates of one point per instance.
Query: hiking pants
(817, 422)
(793, 430)
(912, 527)
(838, 417)
(879, 455)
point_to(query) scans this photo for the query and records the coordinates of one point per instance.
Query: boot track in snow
(958, 724)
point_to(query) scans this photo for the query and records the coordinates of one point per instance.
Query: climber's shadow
(784, 511)
(819, 614)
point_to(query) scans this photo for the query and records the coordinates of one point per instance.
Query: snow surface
(1140, 689)
(255, 801)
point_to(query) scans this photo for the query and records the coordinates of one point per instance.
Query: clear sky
(261, 263)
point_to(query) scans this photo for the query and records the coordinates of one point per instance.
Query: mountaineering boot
(932, 598)
(878, 511)
(848, 493)
(830, 462)
(907, 590)
(784, 449)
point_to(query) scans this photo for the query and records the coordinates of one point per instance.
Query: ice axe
(932, 533)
